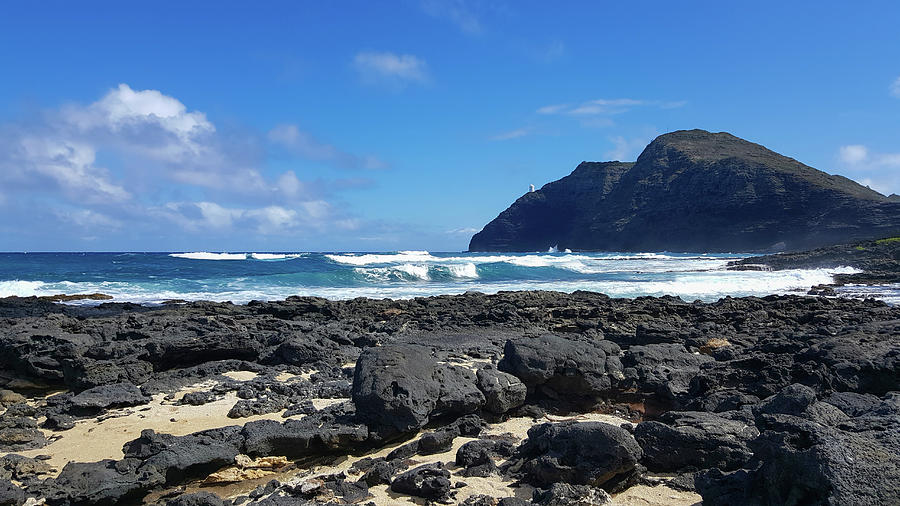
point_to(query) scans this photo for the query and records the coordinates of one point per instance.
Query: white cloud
(513, 134)
(87, 218)
(158, 125)
(273, 219)
(463, 231)
(626, 149)
(551, 52)
(853, 154)
(70, 165)
(123, 106)
(607, 106)
(459, 12)
(552, 109)
(390, 68)
(895, 88)
(304, 145)
(157, 150)
(878, 171)
(860, 157)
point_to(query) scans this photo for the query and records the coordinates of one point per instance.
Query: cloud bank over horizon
(140, 162)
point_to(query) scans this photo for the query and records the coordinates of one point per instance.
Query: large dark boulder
(10, 494)
(564, 494)
(104, 397)
(323, 432)
(809, 454)
(664, 370)
(430, 481)
(179, 458)
(586, 453)
(563, 369)
(398, 388)
(105, 482)
(693, 190)
(502, 391)
(692, 439)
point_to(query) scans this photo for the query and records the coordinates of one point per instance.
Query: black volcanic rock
(879, 259)
(693, 190)
(581, 453)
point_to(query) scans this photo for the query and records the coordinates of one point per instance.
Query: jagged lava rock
(694, 439)
(585, 453)
(502, 391)
(563, 369)
(399, 388)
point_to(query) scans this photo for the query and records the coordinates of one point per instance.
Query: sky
(384, 126)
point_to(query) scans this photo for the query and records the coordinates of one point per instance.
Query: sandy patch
(284, 377)
(661, 495)
(90, 440)
(241, 375)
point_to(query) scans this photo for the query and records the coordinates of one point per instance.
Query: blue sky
(401, 125)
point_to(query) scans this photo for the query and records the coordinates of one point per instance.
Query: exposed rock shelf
(469, 399)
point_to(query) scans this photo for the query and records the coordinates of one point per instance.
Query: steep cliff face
(693, 191)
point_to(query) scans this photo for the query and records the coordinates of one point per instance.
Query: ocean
(242, 277)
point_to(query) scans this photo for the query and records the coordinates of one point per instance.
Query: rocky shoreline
(878, 259)
(514, 398)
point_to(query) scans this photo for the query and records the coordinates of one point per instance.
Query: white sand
(90, 440)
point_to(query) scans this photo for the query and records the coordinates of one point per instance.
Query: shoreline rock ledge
(516, 398)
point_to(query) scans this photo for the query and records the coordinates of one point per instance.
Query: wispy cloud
(626, 148)
(853, 154)
(391, 69)
(859, 156)
(304, 145)
(552, 52)
(513, 134)
(553, 109)
(895, 88)
(876, 170)
(606, 106)
(464, 231)
(459, 12)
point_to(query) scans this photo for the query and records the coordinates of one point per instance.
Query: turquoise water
(240, 277)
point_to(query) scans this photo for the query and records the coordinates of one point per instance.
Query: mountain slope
(693, 191)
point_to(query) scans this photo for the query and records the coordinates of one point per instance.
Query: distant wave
(384, 258)
(205, 255)
(276, 256)
(465, 266)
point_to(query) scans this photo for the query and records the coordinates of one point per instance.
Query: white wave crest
(205, 255)
(21, 288)
(383, 258)
(466, 270)
(405, 272)
(275, 256)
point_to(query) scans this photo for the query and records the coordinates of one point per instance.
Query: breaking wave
(156, 277)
